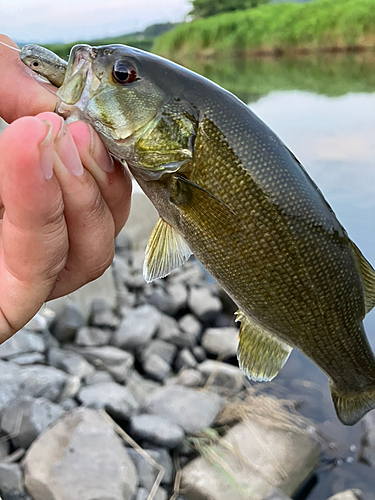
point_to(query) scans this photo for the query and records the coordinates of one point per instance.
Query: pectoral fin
(368, 277)
(166, 250)
(260, 354)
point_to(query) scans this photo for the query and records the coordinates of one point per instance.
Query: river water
(324, 110)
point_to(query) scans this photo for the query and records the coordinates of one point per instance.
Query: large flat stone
(115, 398)
(80, 457)
(191, 409)
(250, 461)
(25, 418)
(138, 328)
(116, 361)
(35, 381)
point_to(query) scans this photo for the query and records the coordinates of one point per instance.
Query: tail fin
(351, 407)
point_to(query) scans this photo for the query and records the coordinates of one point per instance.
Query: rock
(30, 358)
(102, 315)
(116, 399)
(185, 359)
(191, 409)
(161, 299)
(163, 458)
(34, 381)
(203, 303)
(71, 362)
(156, 367)
(143, 494)
(170, 331)
(138, 328)
(141, 387)
(98, 377)
(199, 353)
(156, 430)
(116, 361)
(11, 480)
(25, 418)
(191, 328)
(179, 295)
(352, 494)
(190, 378)
(367, 449)
(68, 404)
(90, 336)
(221, 342)
(71, 387)
(191, 273)
(164, 350)
(67, 322)
(47, 314)
(147, 473)
(121, 269)
(277, 494)
(4, 446)
(80, 457)
(285, 457)
(37, 324)
(222, 375)
(22, 342)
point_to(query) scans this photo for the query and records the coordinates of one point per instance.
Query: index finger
(20, 95)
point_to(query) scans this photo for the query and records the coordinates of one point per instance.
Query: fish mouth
(79, 83)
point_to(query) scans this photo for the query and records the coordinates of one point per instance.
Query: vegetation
(142, 40)
(207, 8)
(276, 28)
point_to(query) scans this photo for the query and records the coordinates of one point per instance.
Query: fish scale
(228, 189)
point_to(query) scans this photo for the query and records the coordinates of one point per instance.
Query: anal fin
(260, 354)
(165, 251)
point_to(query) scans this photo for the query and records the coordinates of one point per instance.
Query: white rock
(256, 458)
(80, 457)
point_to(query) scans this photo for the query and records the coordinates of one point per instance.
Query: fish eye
(123, 72)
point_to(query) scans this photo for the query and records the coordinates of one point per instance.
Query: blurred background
(308, 70)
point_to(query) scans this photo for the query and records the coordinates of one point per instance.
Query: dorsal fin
(368, 277)
(260, 354)
(166, 250)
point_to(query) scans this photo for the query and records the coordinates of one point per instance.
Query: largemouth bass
(228, 190)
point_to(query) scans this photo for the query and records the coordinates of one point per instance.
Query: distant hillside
(140, 39)
(313, 26)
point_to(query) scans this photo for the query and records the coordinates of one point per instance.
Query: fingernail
(67, 151)
(100, 154)
(46, 152)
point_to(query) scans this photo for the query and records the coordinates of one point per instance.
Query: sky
(44, 21)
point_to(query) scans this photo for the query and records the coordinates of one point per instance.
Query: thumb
(33, 237)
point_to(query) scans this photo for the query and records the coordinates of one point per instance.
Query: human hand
(62, 200)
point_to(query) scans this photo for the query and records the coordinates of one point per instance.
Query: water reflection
(331, 129)
(332, 75)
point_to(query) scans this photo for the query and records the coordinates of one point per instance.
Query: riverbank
(276, 29)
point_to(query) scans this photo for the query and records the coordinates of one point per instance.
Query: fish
(228, 190)
(44, 62)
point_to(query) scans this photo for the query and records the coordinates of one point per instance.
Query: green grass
(311, 26)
